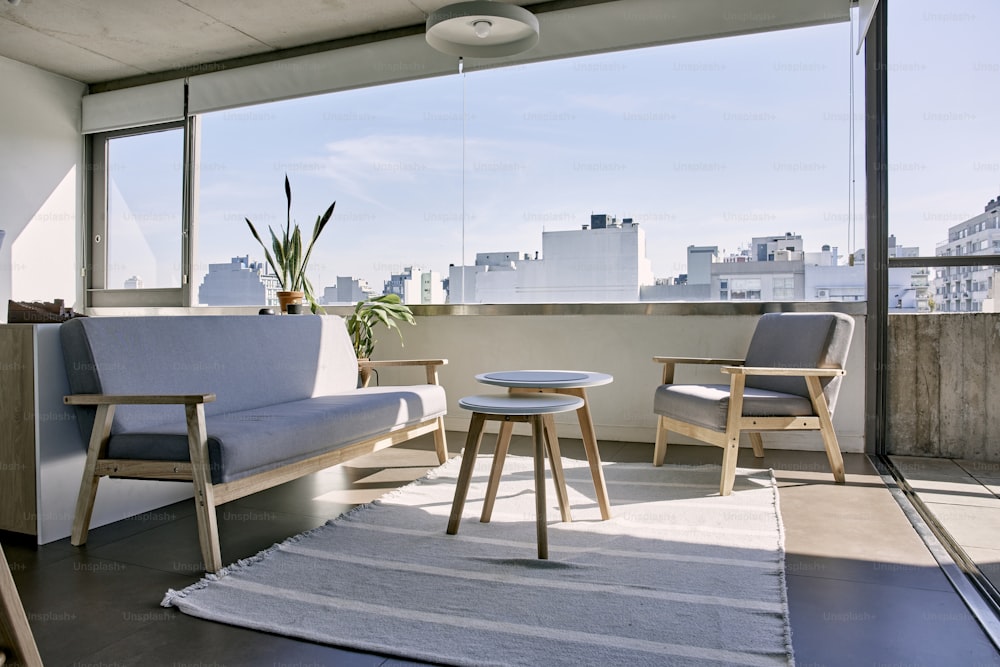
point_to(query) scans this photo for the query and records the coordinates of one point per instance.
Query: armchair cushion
(708, 404)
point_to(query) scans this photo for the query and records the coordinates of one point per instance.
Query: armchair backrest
(800, 340)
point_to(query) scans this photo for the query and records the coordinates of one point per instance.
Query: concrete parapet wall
(944, 382)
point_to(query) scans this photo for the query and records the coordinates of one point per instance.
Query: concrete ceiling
(102, 40)
(128, 41)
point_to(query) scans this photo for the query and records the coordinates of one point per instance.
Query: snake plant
(289, 260)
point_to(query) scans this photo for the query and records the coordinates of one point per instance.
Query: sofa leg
(441, 441)
(96, 450)
(660, 449)
(204, 496)
(208, 528)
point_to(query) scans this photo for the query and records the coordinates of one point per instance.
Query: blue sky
(707, 143)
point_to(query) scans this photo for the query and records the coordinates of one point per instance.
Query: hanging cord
(461, 72)
(851, 173)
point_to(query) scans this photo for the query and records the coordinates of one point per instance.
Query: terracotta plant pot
(285, 298)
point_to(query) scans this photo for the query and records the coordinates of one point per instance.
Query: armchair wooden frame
(208, 495)
(737, 423)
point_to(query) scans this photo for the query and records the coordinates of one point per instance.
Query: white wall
(41, 176)
(620, 344)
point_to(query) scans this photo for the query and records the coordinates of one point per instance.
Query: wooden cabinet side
(17, 429)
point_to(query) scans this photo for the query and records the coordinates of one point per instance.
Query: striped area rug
(678, 576)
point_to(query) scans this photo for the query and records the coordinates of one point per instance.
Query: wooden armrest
(368, 363)
(767, 370)
(138, 399)
(670, 362)
(366, 366)
(698, 360)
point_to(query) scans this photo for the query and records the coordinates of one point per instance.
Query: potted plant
(290, 260)
(387, 309)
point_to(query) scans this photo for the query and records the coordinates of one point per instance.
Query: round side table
(566, 382)
(537, 409)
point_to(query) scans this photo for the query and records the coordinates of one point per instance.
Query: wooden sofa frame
(207, 495)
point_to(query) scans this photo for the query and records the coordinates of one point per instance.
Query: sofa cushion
(248, 362)
(265, 438)
(707, 404)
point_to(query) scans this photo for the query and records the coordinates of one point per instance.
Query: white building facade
(417, 286)
(602, 262)
(239, 282)
(348, 290)
(959, 289)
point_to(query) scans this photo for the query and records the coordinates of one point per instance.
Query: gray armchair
(789, 381)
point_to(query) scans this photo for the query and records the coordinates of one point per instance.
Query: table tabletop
(520, 404)
(553, 379)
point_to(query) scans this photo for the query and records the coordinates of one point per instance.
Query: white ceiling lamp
(482, 29)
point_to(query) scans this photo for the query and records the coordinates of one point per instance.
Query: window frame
(96, 291)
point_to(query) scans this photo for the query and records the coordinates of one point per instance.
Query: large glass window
(944, 108)
(144, 210)
(584, 179)
(626, 176)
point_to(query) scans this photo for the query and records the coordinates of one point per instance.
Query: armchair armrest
(670, 362)
(365, 367)
(138, 399)
(767, 370)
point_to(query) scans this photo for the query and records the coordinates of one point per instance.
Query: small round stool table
(536, 409)
(565, 382)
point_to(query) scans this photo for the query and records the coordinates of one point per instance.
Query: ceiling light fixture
(482, 29)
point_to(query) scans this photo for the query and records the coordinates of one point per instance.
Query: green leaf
(267, 255)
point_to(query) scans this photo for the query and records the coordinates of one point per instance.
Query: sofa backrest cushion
(246, 361)
(800, 340)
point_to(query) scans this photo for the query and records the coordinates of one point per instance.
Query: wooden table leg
(537, 428)
(499, 455)
(593, 453)
(465, 475)
(555, 461)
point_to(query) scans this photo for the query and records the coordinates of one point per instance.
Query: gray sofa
(235, 404)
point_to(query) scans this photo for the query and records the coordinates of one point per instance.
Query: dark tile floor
(863, 588)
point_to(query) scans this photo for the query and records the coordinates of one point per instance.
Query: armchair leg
(730, 453)
(660, 450)
(830, 443)
(833, 453)
(758, 444)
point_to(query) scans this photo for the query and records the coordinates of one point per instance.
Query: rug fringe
(783, 570)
